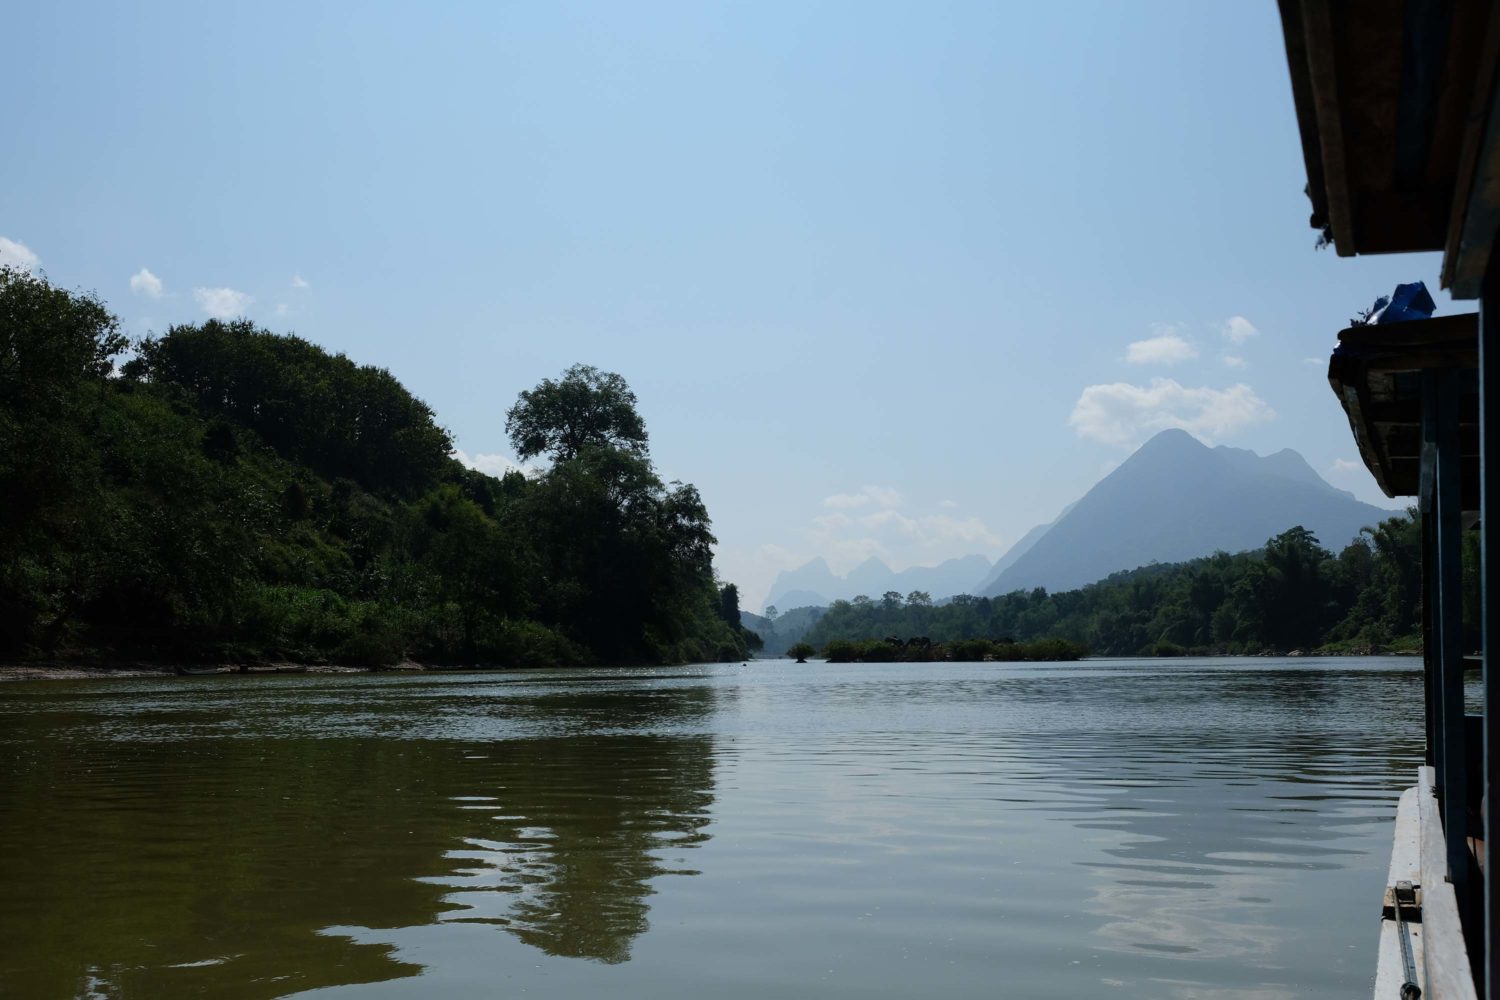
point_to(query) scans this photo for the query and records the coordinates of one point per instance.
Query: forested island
(1292, 595)
(228, 494)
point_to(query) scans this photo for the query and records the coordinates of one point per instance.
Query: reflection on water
(164, 863)
(1198, 829)
(567, 849)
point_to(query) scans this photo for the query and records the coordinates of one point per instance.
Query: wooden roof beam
(1318, 38)
(1475, 211)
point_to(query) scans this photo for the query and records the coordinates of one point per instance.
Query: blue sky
(892, 279)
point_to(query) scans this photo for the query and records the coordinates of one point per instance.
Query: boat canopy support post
(1440, 460)
(1489, 562)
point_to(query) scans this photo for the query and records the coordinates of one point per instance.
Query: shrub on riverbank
(963, 650)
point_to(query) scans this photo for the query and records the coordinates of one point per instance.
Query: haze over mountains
(1174, 499)
(813, 583)
(1177, 499)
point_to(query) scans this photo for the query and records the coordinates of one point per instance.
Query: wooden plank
(1307, 116)
(1406, 850)
(1464, 282)
(1406, 866)
(1445, 964)
(1481, 220)
(1390, 970)
(1401, 222)
(1322, 72)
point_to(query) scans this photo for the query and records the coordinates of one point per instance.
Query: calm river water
(1191, 828)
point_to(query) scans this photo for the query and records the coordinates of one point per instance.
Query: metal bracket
(1406, 895)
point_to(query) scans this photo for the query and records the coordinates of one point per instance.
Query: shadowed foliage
(1291, 594)
(236, 494)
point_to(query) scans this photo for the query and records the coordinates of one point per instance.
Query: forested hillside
(1290, 595)
(229, 493)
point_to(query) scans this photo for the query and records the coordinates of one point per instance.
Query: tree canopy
(237, 494)
(585, 408)
(1291, 594)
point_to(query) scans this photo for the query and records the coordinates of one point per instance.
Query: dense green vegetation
(1291, 595)
(923, 650)
(779, 630)
(229, 494)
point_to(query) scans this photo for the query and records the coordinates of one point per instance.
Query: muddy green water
(1197, 828)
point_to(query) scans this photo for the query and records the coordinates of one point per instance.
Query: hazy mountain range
(1177, 499)
(813, 583)
(787, 629)
(1174, 499)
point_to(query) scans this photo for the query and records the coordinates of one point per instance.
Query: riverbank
(93, 672)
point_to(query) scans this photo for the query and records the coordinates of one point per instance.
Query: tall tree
(585, 408)
(729, 605)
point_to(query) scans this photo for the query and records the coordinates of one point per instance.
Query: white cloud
(222, 303)
(1120, 413)
(843, 554)
(846, 500)
(847, 537)
(143, 282)
(879, 496)
(1315, 361)
(931, 530)
(1233, 361)
(888, 519)
(493, 464)
(1342, 466)
(1163, 349)
(18, 256)
(1238, 329)
(943, 528)
(831, 522)
(898, 537)
(948, 504)
(300, 282)
(281, 309)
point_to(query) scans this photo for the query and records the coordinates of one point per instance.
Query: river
(1135, 828)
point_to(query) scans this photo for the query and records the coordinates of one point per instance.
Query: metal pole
(1431, 704)
(1448, 626)
(1432, 659)
(1489, 603)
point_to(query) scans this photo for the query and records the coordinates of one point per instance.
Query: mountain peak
(1177, 499)
(1174, 438)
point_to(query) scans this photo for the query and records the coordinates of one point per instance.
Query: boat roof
(1377, 373)
(1396, 108)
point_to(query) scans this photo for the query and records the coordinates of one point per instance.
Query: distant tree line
(229, 493)
(1293, 594)
(921, 649)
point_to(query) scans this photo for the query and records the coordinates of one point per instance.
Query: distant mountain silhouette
(1016, 551)
(1177, 499)
(789, 628)
(813, 583)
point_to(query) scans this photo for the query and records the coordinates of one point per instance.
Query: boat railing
(1421, 934)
